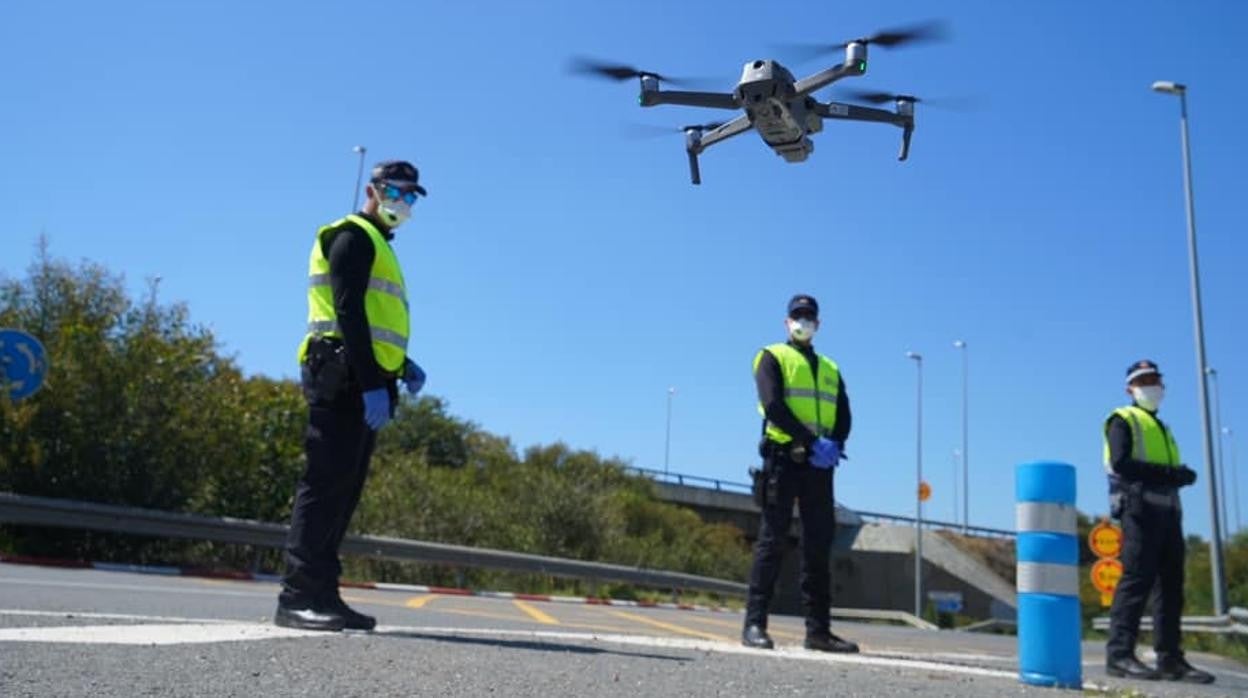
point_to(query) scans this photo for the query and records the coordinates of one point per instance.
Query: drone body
(776, 105)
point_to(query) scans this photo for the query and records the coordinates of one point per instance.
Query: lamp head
(1171, 88)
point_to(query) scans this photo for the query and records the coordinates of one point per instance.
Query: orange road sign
(1105, 575)
(1105, 539)
(925, 491)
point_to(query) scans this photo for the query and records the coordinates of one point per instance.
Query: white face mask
(801, 329)
(393, 213)
(1148, 396)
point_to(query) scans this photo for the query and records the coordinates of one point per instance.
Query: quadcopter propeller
(619, 73)
(873, 97)
(932, 30)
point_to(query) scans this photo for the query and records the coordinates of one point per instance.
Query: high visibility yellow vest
(813, 404)
(385, 302)
(1151, 441)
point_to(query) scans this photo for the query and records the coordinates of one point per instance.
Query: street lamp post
(1229, 434)
(956, 458)
(359, 177)
(667, 439)
(1215, 545)
(1217, 429)
(966, 478)
(918, 500)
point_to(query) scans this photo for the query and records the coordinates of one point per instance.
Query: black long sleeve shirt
(350, 253)
(770, 383)
(1131, 469)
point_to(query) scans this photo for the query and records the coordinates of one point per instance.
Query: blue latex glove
(413, 377)
(377, 408)
(825, 453)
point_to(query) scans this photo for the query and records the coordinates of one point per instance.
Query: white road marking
(164, 630)
(108, 616)
(144, 588)
(162, 634)
(706, 646)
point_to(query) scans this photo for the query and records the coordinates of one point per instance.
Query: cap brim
(1140, 373)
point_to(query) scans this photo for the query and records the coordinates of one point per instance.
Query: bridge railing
(692, 480)
(728, 486)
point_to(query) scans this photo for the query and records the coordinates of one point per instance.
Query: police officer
(354, 352)
(806, 421)
(1145, 474)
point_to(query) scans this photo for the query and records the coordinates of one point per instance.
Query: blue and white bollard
(1049, 637)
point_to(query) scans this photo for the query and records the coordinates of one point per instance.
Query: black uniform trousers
(1152, 563)
(812, 489)
(338, 445)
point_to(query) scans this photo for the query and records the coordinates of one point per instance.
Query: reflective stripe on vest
(813, 404)
(1151, 442)
(385, 301)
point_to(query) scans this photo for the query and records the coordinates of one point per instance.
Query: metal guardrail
(1233, 623)
(59, 513)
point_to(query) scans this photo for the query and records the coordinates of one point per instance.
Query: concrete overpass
(872, 560)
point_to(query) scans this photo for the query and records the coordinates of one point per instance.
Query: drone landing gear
(693, 146)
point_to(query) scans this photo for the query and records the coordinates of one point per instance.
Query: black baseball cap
(803, 302)
(1141, 368)
(400, 173)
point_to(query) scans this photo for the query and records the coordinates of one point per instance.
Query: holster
(327, 375)
(765, 483)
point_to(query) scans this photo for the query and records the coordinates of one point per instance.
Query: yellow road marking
(419, 601)
(535, 613)
(729, 624)
(668, 626)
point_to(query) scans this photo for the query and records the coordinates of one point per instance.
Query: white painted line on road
(188, 589)
(964, 656)
(108, 616)
(172, 634)
(707, 646)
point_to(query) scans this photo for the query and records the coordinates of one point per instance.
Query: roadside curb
(241, 576)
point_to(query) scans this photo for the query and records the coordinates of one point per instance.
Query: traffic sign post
(23, 363)
(925, 491)
(1105, 575)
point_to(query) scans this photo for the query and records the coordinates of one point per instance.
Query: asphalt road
(66, 632)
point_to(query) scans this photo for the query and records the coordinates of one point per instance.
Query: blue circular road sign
(23, 363)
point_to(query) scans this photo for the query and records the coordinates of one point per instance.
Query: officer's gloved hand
(413, 377)
(1185, 476)
(377, 408)
(824, 453)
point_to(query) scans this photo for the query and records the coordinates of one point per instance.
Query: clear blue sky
(562, 276)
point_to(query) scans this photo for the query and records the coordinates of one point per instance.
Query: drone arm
(822, 79)
(711, 100)
(853, 112)
(737, 126)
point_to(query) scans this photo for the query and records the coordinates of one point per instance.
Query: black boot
(827, 642)
(756, 636)
(1130, 668)
(1177, 669)
(352, 619)
(307, 618)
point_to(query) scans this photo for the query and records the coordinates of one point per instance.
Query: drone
(780, 108)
